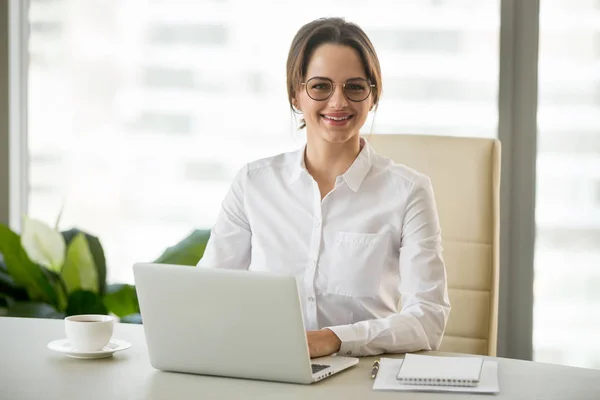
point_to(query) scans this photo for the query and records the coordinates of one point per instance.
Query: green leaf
(187, 252)
(32, 310)
(58, 285)
(97, 254)
(79, 271)
(85, 302)
(9, 288)
(121, 300)
(22, 270)
(43, 245)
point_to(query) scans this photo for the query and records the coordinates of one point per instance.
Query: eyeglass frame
(334, 84)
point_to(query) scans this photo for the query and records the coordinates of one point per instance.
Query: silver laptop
(227, 323)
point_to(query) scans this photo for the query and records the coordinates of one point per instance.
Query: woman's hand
(322, 343)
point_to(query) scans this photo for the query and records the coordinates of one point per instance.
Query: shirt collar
(298, 166)
(354, 176)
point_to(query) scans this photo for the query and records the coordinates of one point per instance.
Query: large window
(567, 254)
(140, 112)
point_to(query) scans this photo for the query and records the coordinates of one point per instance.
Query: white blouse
(372, 242)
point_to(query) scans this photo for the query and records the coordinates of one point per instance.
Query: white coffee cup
(90, 332)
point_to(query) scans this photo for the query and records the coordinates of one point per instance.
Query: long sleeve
(423, 288)
(230, 239)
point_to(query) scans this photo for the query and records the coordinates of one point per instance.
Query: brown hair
(336, 31)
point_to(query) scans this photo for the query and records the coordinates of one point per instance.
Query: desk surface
(29, 370)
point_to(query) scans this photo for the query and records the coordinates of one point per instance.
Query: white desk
(29, 370)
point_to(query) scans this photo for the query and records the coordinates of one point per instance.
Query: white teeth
(337, 118)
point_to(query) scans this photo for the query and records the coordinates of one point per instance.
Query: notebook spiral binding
(438, 382)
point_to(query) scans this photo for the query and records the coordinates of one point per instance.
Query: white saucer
(63, 346)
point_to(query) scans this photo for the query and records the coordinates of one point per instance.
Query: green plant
(51, 274)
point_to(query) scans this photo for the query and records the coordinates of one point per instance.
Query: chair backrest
(465, 174)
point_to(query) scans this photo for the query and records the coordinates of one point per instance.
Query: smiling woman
(359, 232)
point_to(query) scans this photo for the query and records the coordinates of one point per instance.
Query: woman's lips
(336, 119)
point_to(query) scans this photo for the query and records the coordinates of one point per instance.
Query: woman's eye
(355, 87)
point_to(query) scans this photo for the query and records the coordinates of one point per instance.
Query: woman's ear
(295, 105)
(372, 105)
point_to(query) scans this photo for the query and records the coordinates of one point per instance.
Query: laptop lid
(223, 322)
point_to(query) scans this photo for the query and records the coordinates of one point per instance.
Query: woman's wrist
(335, 341)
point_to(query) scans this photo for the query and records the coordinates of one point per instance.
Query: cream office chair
(465, 174)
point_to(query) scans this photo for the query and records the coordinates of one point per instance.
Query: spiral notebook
(389, 368)
(444, 371)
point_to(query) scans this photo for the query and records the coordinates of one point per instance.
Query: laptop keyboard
(319, 367)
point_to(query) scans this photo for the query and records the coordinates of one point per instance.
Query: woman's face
(337, 119)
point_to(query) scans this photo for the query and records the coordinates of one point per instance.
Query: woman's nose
(338, 99)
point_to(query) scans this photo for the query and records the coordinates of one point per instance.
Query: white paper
(389, 367)
(435, 367)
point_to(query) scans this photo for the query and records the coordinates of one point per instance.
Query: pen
(375, 369)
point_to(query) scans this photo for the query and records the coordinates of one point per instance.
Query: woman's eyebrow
(324, 77)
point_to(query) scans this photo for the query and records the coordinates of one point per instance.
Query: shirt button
(317, 224)
(311, 299)
(348, 353)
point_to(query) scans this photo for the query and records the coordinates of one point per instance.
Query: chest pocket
(358, 260)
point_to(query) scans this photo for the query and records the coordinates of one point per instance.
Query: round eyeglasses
(356, 89)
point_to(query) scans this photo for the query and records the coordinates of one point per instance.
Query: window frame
(13, 112)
